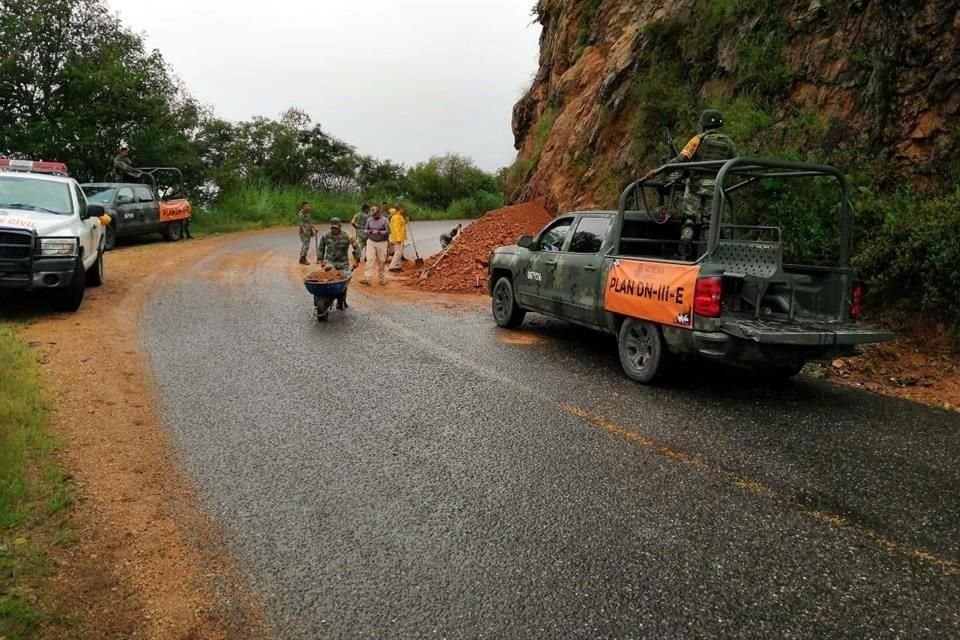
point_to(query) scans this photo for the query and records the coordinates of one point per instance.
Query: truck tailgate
(801, 332)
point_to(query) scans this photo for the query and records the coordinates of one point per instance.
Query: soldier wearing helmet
(333, 251)
(708, 145)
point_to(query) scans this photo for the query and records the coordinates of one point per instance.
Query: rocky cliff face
(870, 85)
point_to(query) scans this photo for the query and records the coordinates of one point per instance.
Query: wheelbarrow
(325, 294)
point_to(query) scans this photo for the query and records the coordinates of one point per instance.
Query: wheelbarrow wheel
(323, 308)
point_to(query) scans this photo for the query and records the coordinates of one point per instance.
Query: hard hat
(711, 119)
(335, 222)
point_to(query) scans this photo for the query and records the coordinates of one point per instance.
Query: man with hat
(333, 250)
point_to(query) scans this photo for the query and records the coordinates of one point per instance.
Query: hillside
(871, 85)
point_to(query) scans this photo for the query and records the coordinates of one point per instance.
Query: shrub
(910, 254)
(475, 206)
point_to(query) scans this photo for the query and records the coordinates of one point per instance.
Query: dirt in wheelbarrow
(322, 275)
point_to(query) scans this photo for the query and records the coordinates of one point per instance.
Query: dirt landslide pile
(459, 270)
(322, 275)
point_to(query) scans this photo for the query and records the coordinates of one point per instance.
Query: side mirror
(525, 241)
(124, 199)
(93, 211)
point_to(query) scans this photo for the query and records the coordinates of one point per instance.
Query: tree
(443, 179)
(74, 83)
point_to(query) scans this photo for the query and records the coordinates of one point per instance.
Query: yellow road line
(760, 490)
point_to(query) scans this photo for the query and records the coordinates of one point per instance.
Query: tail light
(707, 296)
(856, 301)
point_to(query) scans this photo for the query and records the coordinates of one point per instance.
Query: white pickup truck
(50, 238)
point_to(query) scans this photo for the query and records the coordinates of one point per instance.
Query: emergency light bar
(32, 166)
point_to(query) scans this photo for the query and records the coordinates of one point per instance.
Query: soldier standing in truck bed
(122, 167)
(708, 145)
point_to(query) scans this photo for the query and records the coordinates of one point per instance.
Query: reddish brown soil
(464, 265)
(922, 364)
(322, 275)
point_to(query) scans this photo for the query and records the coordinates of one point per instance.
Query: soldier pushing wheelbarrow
(333, 252)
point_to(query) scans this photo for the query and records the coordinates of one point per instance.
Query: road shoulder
(145, 561)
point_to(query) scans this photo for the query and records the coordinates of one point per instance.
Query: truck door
(127, 210)
(536, 287)
(578, 270)
(149, 213)
(89, 238)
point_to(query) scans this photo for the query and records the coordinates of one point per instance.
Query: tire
(323, 308)
(172, 231)
(70, 297)
(506, 312)
(110, 237)
(643, 354)
(95, 273)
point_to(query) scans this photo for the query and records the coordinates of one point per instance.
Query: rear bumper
(755, 342)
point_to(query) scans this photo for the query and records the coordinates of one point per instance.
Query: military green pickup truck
(726, 285)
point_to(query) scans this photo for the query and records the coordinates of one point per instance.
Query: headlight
(58, 246)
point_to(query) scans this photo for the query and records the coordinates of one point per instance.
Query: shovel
(426, 272)
(419, 260)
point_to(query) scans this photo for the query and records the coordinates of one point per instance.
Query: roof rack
(33, 166)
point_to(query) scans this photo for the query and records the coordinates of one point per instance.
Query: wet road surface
(409, 470)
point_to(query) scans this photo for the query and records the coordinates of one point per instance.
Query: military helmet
(711, 119)
(335, 222)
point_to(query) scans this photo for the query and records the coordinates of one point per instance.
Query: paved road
(409, 470)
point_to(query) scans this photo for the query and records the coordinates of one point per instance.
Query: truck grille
(16, 251)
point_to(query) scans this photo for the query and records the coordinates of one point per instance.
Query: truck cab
(51, 238)
(741, 289)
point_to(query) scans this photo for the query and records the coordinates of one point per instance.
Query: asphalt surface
(408, 470)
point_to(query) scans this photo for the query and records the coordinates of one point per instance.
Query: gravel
(404, 472)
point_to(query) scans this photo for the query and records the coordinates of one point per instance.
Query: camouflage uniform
(333, 249)
(359, 223)
(306, 232)
(122, 167)
(698, 196)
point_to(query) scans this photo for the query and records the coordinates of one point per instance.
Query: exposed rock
(881, 76)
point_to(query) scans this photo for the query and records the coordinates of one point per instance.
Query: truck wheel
(110, 237)
(506, 313)
(70, 297)
(95, 273)
(643, 355)
(172, 231)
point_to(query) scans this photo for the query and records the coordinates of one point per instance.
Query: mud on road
(145, 563)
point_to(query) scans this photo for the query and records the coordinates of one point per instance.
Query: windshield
(99, 195)
(26, 194)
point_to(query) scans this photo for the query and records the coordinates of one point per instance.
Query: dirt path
(145, 563)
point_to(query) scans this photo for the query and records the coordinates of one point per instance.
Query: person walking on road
(398, 235)
(377, 231)
(333, 250)
(359, 224)
(306, 230)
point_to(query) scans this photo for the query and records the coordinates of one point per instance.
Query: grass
(32, 489)
(254, 207)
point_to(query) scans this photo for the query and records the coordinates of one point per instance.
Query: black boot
(303, 260)
(342, 302)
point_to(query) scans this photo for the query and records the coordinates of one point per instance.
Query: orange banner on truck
(175, 210)
(656, 291)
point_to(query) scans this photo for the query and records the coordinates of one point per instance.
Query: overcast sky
(398, 79)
